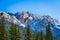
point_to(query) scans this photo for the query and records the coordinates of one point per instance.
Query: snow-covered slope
(11, 18)
(38, 23)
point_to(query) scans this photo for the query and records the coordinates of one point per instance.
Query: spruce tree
(3, 35)
(18, 36)
(14, 32)
(42, 36)
(39, 36)
(28, 34)
(48, 33)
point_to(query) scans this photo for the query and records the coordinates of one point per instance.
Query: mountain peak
(36, 22)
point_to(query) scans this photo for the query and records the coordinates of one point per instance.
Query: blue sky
(40, 7)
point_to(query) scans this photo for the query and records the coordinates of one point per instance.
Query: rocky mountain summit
(36, 22)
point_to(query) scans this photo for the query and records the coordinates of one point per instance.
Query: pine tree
(18, 36)
(39, 36)
(28, 35)
(3, 35)
(48, 33)
(14, 32)
(42, 36)
(33, 37)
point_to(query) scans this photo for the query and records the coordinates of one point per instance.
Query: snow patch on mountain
(57, 27)
(11, 19)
